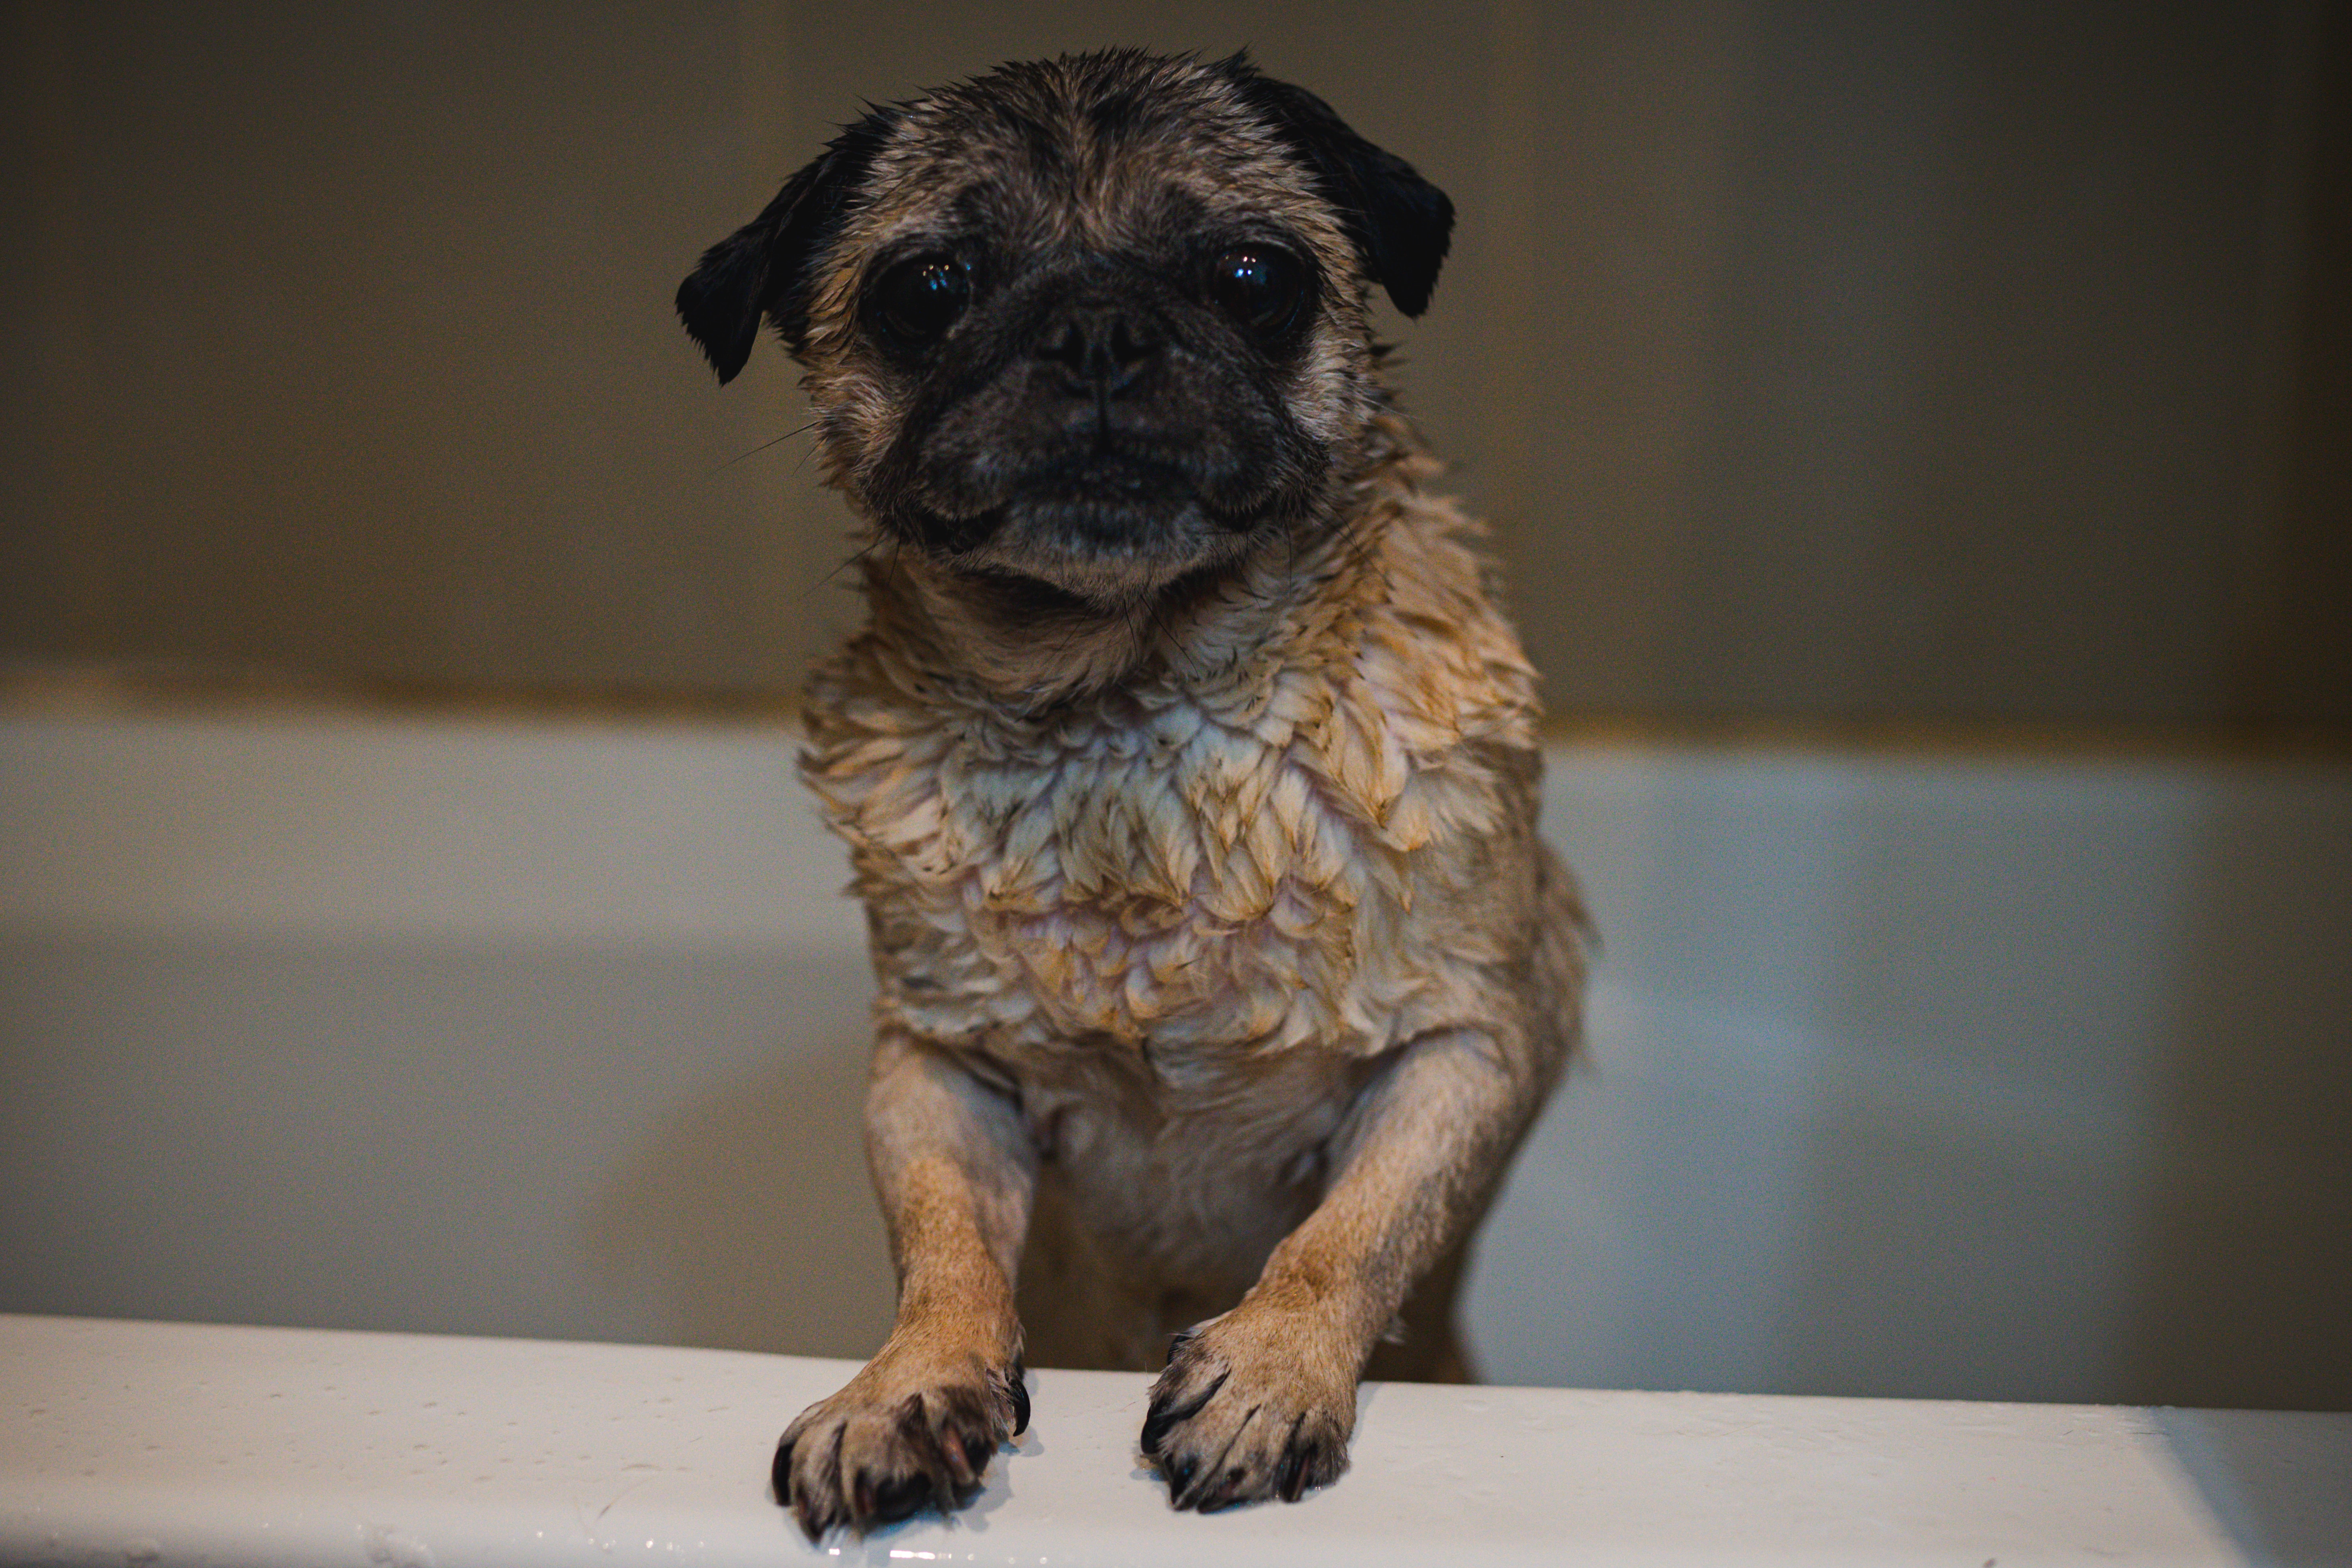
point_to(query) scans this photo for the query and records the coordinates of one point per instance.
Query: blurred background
(1919, 439)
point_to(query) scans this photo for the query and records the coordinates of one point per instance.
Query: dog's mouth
(1115, 489)
(1106, 528)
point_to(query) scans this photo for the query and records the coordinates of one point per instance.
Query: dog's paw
(1252, 1405)
(897, 1440)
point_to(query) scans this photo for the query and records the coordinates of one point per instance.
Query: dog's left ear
(762, 268)
(1401, 223)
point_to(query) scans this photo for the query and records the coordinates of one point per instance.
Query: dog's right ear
(762, 268)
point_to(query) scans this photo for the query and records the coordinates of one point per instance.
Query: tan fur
(1218, 962)
(1184, 913)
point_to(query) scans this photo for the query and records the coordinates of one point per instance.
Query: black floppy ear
(1401, 223)
(762, 268)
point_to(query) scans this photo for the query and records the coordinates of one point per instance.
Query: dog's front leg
(1261, 1401)
(915, 1426)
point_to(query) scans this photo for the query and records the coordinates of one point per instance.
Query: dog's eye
(1260, 287)
(919, 299)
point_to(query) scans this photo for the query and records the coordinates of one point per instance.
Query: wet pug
(1187, 763)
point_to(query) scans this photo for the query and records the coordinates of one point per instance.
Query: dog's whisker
(778, 441)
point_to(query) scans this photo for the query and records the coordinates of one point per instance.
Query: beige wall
(1942, 361)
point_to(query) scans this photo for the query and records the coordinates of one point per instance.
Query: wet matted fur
(1187, 763)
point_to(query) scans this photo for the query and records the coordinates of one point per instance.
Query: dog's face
(1086, 328)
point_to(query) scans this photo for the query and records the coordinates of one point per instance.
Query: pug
(1187, 762)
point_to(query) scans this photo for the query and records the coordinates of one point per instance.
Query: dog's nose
(1099, 347)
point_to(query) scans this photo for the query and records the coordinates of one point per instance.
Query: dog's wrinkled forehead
(1095, 153)
(1072, 156)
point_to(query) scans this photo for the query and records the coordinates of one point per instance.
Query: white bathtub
(141, 1444)
(1931, 1076)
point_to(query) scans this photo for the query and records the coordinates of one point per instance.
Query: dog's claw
(780, 1474)
(814, 1520)
(1224, 1494)
(1020, 1396)
(1156, 1422)
(1166, 1412)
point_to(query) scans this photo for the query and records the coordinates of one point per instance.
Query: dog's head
(1087, 327)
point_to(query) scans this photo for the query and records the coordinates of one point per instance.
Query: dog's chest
(1161, 874)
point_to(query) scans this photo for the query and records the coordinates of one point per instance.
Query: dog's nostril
(1064, 345)
(1131, 341)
